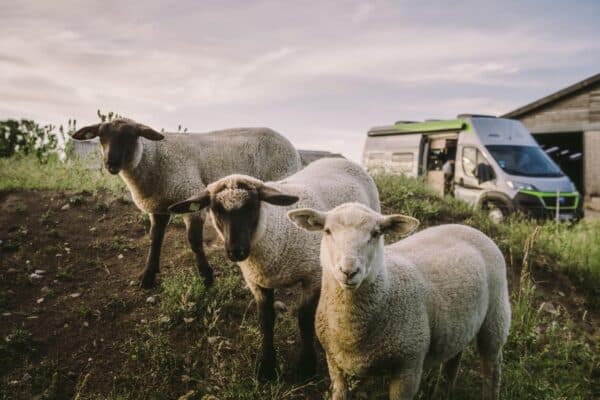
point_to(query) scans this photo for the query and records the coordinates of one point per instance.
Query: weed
(121, 243)
(75, 200)
(102, 207)
(46, 219)
(84, 311)
(20, 209)
(15, 348)
(64, 273)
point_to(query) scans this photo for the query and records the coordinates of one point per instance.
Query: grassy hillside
(83, 330)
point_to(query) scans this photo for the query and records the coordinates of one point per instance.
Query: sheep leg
(450, 371)
(266, 316)
(339, 384)
(490, 340)
(405, 382)
(158, 225)
(491, 370)
(194, 224)
(306, 321)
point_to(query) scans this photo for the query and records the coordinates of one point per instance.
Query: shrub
(27, 137)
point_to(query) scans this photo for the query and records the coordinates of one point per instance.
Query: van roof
(401, 127)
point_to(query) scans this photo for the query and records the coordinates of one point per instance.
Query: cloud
(321, 73)
(361, 12)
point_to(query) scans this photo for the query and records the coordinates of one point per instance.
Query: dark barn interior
(566, 149)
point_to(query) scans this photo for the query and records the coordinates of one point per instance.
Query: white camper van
(491, 163)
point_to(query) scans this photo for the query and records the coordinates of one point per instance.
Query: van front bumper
(543, 205)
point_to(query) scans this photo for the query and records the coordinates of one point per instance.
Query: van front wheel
(496, 211)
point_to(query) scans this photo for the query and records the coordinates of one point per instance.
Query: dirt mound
(68, 277)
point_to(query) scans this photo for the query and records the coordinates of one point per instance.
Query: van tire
(496, 210)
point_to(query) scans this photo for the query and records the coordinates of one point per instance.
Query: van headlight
(520, 185)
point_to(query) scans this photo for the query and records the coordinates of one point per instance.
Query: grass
(571, 249)
(203, 342)
(25, 172)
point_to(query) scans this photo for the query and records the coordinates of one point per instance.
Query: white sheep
(411, 305)
(272, 253)
(161, 169)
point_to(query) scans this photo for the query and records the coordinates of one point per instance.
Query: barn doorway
(566, 149)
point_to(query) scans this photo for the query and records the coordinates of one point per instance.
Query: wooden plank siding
(594, 114)
(575, 109)
(591, 158)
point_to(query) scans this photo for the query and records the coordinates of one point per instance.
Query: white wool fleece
(173, 169)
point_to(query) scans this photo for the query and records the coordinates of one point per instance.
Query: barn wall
(576, 110)
(591, 144)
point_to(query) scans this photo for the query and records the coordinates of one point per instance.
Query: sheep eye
(375, 234)
(327, 231)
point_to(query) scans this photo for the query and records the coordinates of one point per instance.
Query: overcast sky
(319, 72)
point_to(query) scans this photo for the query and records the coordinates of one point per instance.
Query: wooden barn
(567, 125)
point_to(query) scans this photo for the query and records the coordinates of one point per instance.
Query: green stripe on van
(541, 195)
(453, 125)
(431, 126)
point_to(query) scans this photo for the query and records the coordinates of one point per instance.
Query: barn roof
(569, 90)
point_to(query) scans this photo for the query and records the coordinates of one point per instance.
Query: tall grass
(572, 249)
(26, 172)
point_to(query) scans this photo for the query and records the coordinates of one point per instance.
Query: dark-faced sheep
(161, 169)
(272, 253)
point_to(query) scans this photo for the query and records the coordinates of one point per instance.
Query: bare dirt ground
(68, 271)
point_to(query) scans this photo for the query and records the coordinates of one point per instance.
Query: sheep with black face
(272, 253)
(408, 306)
(163, 168)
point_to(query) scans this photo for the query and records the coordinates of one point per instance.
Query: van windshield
(524, 161)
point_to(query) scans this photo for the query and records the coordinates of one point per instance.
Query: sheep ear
(193, 204)
(149, 133)
(308, 218)
(275, 197)
(398, 223)
(87, 132)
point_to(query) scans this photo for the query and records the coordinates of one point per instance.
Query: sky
(319, 72)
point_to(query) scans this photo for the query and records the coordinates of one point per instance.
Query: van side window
(402, 163)
(472, 159)
(376, 163)
(469, 160)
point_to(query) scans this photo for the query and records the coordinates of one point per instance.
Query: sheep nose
(112, 167)
(237, 254)
(349, 273)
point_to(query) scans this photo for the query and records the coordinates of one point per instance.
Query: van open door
(439, 155)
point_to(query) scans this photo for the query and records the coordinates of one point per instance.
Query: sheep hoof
(209, 280)
(147, 281)
(307, 366)
(267, 372)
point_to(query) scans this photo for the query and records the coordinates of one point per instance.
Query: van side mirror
(484, 173)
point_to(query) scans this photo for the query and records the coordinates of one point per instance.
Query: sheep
(407, 306)
(250, 216)
(161, 169)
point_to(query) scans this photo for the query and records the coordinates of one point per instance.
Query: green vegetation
(571, 249)
(204, 342)
(27, 137)
(15, 348)
(26, 172)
